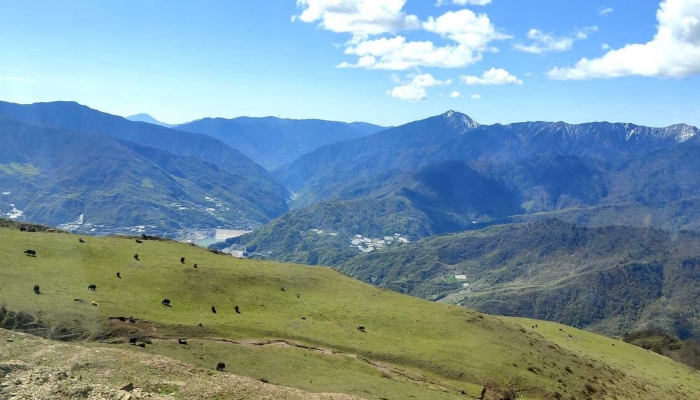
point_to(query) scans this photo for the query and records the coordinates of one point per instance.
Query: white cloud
(605, 11)
(15, 79)
(361, 18)
(456, 95)
(544, 43)
(492, 77)
(466, 28)
(673, 52)
(605, 46)
(476, 96)
(471, 34)
(415, 90)
(464, 2)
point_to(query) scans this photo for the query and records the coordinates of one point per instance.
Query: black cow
(142, 345)
(30, 253)
(196, 266)
(133, 340)
(166, 302)
(22, 229)
(119, 275)
(132, 320)
(213, 309)
(237, 310)
(36, 289)
(182, 341)
(80, 240)
(136, 257)
(138, 241)
(220, 366)
(92, 287)
(182, 260)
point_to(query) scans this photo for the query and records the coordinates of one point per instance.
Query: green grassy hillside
(411, 349)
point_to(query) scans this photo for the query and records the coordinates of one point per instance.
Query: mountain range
(273, 142)
(455, 136)
(97, 184)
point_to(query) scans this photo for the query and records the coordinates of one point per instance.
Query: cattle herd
(166, 302)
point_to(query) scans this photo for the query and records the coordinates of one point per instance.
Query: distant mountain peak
(143, 117)
(460, 121)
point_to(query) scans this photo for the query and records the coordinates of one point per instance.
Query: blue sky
(184, 60)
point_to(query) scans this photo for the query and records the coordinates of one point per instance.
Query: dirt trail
(385, 369)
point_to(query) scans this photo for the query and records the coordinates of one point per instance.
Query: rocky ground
(32, 368)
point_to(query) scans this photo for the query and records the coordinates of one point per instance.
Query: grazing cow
(195, 266)
(36, 289)
(282, 289)
(200, 324)
(138, 241)
(30, 253)
(132, 320)
(22, 229)
(220, 366)
(237, 310)
(182, 341)
(132, 341)
(298, 296)
(80, 240)
(213, 309)
(361, 328)
(119, 275)
(182, 260)
(122, 319)
(92, 287)
(142, 345)
(94, 303)
(136, 257)
(165, 302)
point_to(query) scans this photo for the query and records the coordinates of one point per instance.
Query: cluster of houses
(368, 245)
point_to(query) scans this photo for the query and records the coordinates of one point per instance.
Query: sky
(386, 62)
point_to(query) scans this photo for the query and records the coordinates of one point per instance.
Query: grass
(419, 349)
(26, 169)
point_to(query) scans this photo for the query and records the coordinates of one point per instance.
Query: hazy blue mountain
(273, 142)
(143, 117)
(55, 176)
(454, 136)
(76, 117)
(403, 148)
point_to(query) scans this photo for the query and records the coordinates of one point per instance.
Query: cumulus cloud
(456, 95)
(365, 20)
(605, 11)
(492, 77)
(415, 90)
(673, 52)
(544, 43)
(476, 96)
(15, 79)
(361, 18)
(464, 2)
